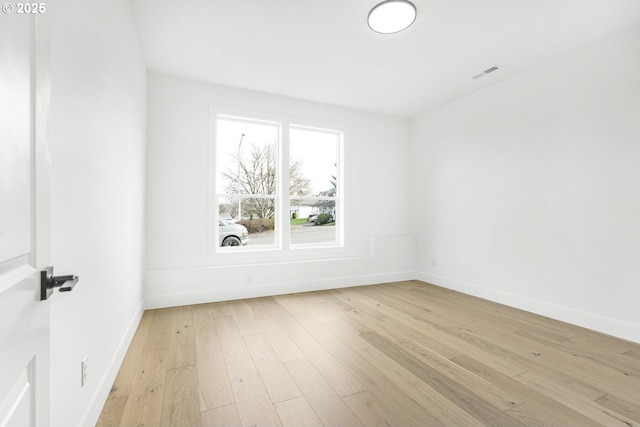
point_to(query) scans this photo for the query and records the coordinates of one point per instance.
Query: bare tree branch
(258, 175)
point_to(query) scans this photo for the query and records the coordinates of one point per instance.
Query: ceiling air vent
(487, 71)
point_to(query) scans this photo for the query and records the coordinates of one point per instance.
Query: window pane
(313, 222)
(256, 145)
(257, 224)
(313, 162)
(313, 172)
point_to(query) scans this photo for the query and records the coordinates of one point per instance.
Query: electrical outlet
(84, 365)
(433, 262)
(249, 279)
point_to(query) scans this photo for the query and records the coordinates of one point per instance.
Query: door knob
(48, 282)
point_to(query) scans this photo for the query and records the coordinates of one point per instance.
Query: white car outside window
(232, 234)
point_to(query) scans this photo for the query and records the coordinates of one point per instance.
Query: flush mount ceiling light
(392, 16)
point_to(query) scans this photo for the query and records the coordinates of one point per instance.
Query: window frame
(282, 245)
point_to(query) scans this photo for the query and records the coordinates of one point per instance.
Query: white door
(24, 220)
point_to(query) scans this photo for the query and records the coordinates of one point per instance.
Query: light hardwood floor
(397, 354)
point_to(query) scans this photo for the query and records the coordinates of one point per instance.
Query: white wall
(97, 146)
(529, 189)
(179, 270)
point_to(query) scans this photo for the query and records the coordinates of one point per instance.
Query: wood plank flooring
(396, 354)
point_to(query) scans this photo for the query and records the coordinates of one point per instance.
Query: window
(247, 180)
(313, 188)
(277, 185)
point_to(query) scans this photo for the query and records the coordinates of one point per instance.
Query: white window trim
(282, 249)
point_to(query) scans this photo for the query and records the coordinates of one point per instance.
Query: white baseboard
(91, 415)
(256, 290)
(591, 321)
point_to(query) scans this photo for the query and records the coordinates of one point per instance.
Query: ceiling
(324, 51)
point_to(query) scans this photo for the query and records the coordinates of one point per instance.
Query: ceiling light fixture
(392, 16)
